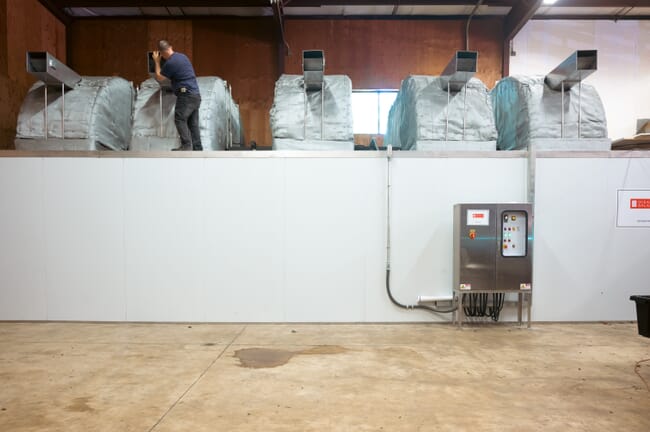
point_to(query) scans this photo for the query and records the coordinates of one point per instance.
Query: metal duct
(96, 115)
(153, 117)
(423, 117)
(573, 70)
(459, 71)
(313, 69)
(45, 67)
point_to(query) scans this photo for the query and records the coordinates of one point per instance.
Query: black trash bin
(642, 314)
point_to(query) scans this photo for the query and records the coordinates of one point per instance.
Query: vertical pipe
(389, 151)
(562, 125)
(45, 115)
(62, 111)
(160, 100)
(447, 113)
(580, 110)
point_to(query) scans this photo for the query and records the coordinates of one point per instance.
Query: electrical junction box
(493, 247)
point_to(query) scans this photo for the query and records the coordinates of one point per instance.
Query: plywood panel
(379, 54)
(26, 26)
(3, 38)
(244, 53)
(110, 47)
(177, 33)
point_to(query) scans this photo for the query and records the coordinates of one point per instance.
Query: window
(370, 110)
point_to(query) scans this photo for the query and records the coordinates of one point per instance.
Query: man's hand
(156, 60)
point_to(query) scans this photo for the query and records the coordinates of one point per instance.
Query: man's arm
(156, 59)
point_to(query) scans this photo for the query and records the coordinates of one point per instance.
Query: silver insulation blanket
(320, 123)
(527, 112)
(97, 116)
(421, 117)
(218, 117)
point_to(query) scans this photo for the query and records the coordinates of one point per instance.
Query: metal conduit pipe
(468, 21)
(389, 154)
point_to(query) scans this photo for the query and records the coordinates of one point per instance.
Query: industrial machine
(493, 254)
(556, 111)
(312, 111)
(66, 111)
(451, 111)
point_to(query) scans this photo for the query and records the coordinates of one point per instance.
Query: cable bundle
(478, 305)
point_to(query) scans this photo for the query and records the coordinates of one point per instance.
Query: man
(178, 69)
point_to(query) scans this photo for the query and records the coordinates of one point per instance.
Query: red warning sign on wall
(639, 203)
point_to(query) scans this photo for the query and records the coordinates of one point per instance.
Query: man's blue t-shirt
(180, 72)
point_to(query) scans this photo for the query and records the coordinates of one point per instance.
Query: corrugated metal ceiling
(365, 10)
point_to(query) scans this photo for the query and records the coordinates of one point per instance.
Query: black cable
(403, 306)
(497, 306)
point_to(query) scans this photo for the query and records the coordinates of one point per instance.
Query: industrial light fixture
(549, 2)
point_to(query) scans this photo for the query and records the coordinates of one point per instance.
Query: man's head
(165, 49)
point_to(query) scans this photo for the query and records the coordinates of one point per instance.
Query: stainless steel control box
(493, 247)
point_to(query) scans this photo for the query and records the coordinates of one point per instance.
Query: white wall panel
(299, 239)
(22, 256)
(328, 203)
(585, 267)
(244, 213)
(84, 239)
(163, 230)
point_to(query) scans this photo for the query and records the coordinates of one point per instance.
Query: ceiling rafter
(518, 17)
(585, 8)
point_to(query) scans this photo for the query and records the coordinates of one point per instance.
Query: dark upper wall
(381, 53)
(243, 51)
(25, 26)
(240, 51)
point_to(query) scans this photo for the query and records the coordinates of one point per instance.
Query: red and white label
(640, 203)
(478, 217)
(633, 208)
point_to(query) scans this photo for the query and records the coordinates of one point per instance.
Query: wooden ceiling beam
(57, 10)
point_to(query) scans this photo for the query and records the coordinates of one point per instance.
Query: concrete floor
(402, 377)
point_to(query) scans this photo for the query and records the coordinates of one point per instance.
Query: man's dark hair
(163, 45)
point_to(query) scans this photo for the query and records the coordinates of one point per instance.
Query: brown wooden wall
(240, 51)
(25, 25)
(374, 53)
(379, 54)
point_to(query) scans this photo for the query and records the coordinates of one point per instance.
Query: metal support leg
(562, 125)
(45, 115)
(62, 111)
(464, 108)
(160, 102)
(580, 110)
(304, 123)
(520, 308)
(530, 301)
(447, 114)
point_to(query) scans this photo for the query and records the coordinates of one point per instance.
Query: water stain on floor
(259, 358)
(80, 405)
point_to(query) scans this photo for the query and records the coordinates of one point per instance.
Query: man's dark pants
(187, 120)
